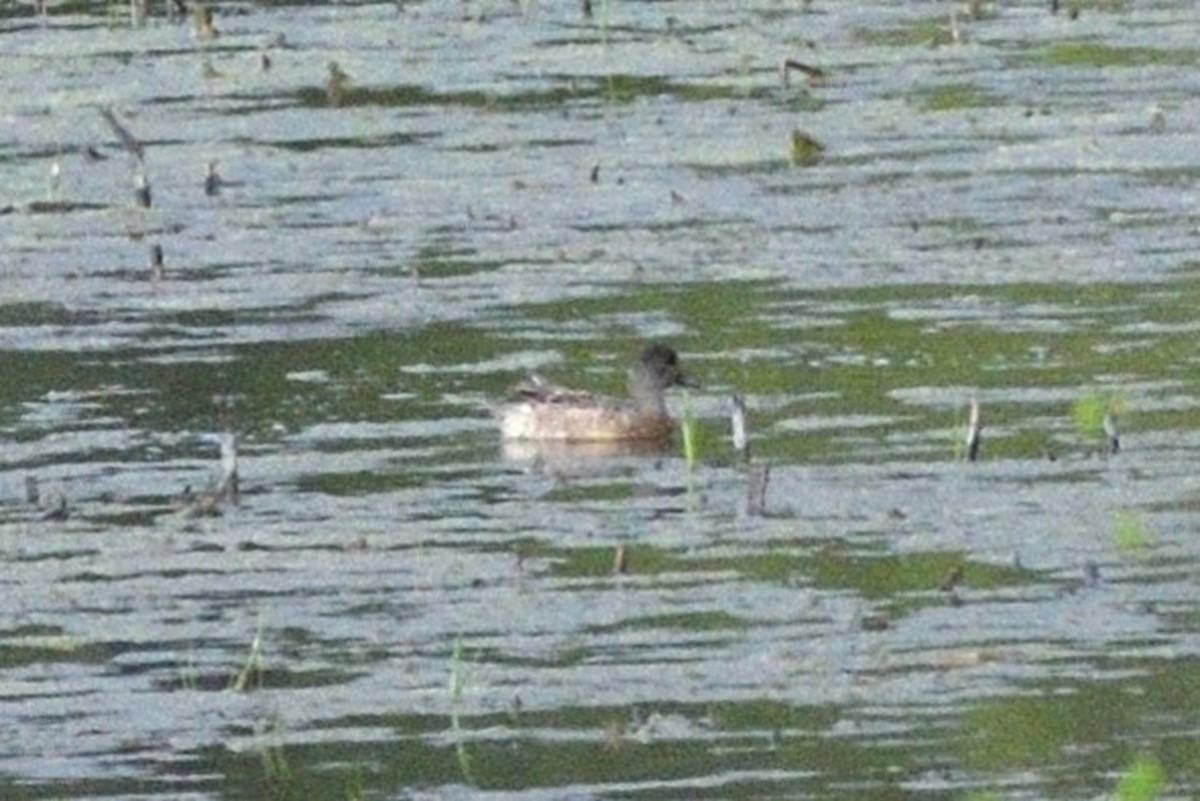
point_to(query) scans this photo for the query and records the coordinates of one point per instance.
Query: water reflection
(581, 458)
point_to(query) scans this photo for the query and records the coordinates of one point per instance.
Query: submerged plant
(274, 760)
(354, 783)
(1141, 780)
(457, 683)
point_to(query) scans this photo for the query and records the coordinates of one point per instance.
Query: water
(400, 607)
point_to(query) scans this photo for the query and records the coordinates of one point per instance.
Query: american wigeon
(545, 412)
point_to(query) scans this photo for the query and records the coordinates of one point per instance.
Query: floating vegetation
(1075, 7)
(1097, 54)
(1141, 780)
(921, 33)
(805, 149)
(614, 89)
(954, 96)
(629, 88)
(32, 643)
(1095, 418)
(1130, 533)
(1088, 413)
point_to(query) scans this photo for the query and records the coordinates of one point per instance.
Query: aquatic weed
(1130, 533)
(1141, 780)
(457, 684)
(253, 668)
(687, 427)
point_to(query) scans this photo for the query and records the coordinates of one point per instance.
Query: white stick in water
(741, 439)
(128, 140)
(974, 431)
(756, 490)
(1110, 431)
(227, 484)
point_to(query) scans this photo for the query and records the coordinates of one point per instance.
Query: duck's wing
(535, 388)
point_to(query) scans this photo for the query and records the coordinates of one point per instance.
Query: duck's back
(566, 415)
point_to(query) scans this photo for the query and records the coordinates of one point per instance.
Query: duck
(543, 412)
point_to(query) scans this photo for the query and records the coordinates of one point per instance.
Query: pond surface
(418, 203)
